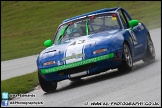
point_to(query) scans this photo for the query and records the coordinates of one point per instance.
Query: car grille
(77, 69)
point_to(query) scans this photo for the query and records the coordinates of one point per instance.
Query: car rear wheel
(47, 86)
(150, 54)
(127, 62)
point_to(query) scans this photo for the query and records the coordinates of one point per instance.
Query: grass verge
(25, 25)
(20, 84)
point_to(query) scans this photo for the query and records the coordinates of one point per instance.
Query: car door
(135, 33)
(139, 41)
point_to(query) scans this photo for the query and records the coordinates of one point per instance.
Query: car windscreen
(103, 22)
(86, 26)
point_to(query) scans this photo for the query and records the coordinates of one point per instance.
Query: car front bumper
(81, 68)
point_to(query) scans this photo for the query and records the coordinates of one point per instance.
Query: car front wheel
(127, 62)
(47, 86)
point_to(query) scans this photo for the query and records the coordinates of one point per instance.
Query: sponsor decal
(74, 56)
(133, 36)
(113, 18)
(76, 64)
(74, 52)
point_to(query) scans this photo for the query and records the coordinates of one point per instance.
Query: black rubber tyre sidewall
(47, 86)
(149, 56)
(124, 67)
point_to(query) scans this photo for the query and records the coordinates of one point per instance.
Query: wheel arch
(128, 40)
(127, 63)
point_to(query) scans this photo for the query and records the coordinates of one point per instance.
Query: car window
(97, 23)
(127, 19)
(104, 22)
(110, 22)
(124, 18)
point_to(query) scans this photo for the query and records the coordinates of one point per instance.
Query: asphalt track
(18, 67)
(141, 86)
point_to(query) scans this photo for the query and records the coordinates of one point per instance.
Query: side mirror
(48, 43)
(133, 23)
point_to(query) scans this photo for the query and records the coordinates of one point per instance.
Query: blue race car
(92, 43)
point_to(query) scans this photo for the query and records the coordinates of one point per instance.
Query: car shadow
(101, 76)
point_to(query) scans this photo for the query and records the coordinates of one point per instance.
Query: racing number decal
(77, 42)
(134, 38)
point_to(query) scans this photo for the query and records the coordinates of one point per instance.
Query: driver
(74, 31)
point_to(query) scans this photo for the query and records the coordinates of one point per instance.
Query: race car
(92, 43)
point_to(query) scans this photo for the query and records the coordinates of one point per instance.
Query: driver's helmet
(73, 29)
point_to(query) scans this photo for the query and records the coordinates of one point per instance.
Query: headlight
(100, 51)
(48, 63)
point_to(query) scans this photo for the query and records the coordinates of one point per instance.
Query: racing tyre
(150, 54)
(127, 62)
(46, 85)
